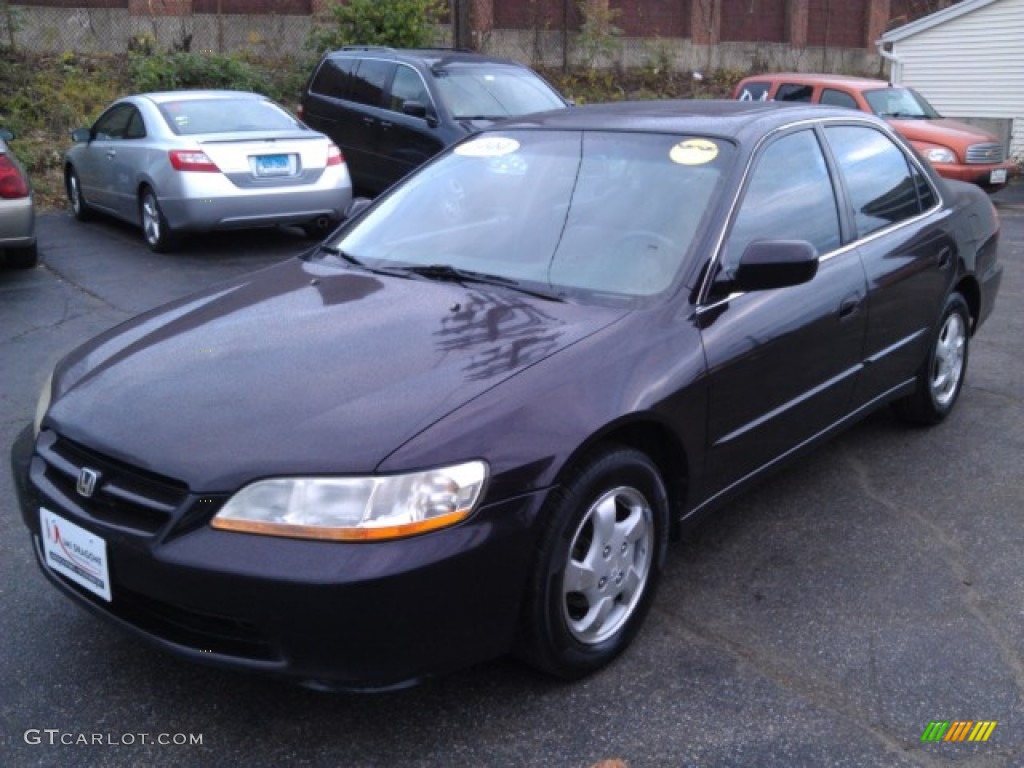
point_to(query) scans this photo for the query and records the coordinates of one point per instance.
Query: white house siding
(971, 65)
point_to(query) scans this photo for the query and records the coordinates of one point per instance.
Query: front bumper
(982, 175)
(327, 614)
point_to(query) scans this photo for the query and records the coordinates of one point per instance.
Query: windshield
(493, 92)
(595, 216)
(901, 103)
(226, 115)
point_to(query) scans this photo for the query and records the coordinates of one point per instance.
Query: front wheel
(941, 376)
(79, 208)
(155, 229)
(598, 564)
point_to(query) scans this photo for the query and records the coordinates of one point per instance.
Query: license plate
(274, 165)
(75, 553)
(998, 176)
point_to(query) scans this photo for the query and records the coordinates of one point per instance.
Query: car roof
(846, 81)
(162, 97)
(725, 118)
(430, 56)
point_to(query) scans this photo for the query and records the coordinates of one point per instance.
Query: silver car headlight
(356, 508)
(43, 404)
(940, 155)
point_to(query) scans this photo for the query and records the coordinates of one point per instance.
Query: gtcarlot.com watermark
(56, 737)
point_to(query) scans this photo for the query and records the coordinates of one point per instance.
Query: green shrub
(395, 23)
(181, 69)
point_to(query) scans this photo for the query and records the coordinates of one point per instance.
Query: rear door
(782, 363)
(406, 142)
(907, 249)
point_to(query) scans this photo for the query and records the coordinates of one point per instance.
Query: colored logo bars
(958, 730)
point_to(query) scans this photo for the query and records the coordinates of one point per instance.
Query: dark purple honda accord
(470, 421)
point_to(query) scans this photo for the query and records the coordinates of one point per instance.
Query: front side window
(113, 124)
(835, 98)
(189, 117)
(407, 86)
(599, 217)
(789, 197)
(491, 92)
(877, 176)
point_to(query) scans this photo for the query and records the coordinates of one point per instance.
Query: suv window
(870, 161)
(838, 98)
(789, 197)
(493, 91)
(755, 92)
(334, 78)
(369, 81)
(794, 92)
(407, 86)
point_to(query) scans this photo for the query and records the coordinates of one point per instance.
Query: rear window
(492, 92)
(836, 98)
(189, 117)
(754, 91)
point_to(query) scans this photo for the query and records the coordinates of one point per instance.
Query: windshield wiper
(462, 276)
(334, 251)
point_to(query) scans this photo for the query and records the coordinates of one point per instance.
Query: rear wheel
(155, 229)
(598, 564)
(941, 376)
(24, 257)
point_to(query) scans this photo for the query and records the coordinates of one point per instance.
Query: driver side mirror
(6, 135)
(81, 135)
(415, 108)
(769, 264)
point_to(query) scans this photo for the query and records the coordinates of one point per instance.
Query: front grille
(985, 153)
(124, 497)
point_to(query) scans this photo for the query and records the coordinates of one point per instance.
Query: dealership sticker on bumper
(998, 176)
(75, 553)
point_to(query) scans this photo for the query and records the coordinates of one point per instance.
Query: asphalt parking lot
(825, 619)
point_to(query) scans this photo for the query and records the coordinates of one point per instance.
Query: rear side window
(370, 78)
(754, 92)
(794, 92)
(836, 98)
(789, 197)
(334, 78)
(878, 177)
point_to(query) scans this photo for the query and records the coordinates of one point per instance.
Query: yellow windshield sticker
(488, 146)
(694, 152)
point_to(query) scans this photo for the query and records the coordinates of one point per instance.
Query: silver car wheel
(75, 194)
(150, 218)
(609, 561)
(948, 365)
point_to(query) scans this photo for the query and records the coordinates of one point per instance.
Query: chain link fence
(557, 34)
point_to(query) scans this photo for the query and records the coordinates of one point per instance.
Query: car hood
(304, 368)
(943, 131)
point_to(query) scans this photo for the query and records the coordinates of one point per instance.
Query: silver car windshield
(595, 216)
(189, 117)
(491, 93)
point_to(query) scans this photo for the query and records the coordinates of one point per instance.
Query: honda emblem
(87, 480)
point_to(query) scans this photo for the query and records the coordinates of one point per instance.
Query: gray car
(195, 161)
(17, 212)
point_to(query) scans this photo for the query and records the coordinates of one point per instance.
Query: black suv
(391, 110)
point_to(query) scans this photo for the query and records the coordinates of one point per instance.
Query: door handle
(385, 124)
(111, 153)
(945, 257)
(368, 120)
(848, 306)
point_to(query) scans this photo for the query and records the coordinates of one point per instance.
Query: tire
(318, 230)
(597, 566)
(79, 208)
(24, 257)
(155, 230)
(941, 376)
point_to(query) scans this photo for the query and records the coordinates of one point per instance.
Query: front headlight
(940, 155)
(42, 404)
(356, 508)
